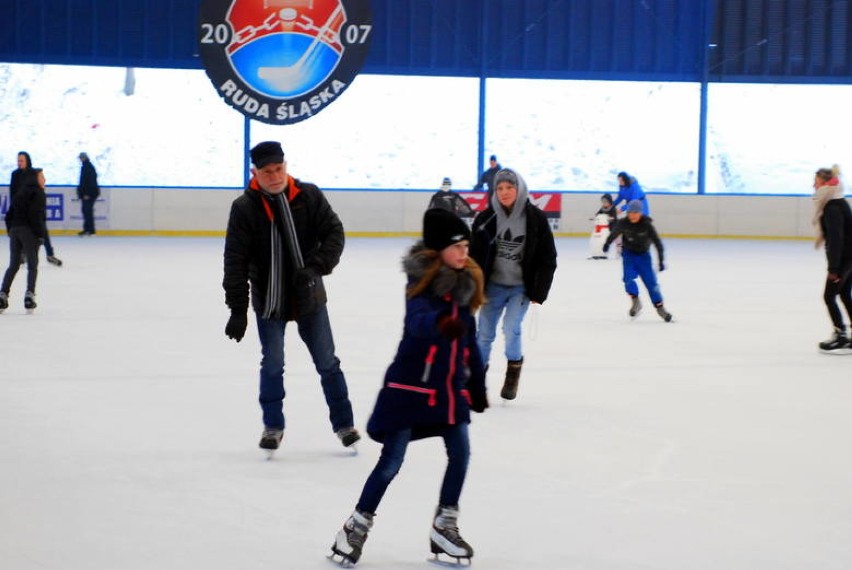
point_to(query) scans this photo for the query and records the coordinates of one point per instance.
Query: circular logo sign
(283, 61)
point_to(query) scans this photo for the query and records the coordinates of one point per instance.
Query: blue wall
(792, 41)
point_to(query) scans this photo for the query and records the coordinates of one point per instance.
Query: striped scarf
(275, 306)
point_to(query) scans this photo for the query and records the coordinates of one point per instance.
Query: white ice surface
(129, 423)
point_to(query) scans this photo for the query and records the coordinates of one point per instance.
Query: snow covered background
(397, 132)
(129, 423)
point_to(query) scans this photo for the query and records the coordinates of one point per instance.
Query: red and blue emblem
(283, 61)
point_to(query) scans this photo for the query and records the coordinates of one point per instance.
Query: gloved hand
(478, 401)
(236, 327)
(451, 327)
(662, 266)
(605, 247)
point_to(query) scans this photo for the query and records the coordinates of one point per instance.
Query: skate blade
(270, 454)
(837, 351)
(343, 562)
(455, 562)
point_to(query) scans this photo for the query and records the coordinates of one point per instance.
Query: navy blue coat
(429, 382)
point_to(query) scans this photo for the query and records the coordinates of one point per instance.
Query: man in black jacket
(88, 192)
(282, 238)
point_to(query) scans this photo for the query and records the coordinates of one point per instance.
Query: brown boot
(513, 375)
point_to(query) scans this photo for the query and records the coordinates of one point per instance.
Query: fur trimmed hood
(461, 285)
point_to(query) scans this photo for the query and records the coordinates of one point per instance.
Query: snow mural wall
(169, 128)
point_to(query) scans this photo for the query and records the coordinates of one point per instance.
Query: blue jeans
(315, 331)
(640, 265)
(87, 205)
(456, 441)
(515, 303)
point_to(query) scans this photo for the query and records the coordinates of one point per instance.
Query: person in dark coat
(25, 164)
(434, 381)
(88, 192)
(447, 199)
(833, 220)
(282, 238)
(486, 179)
(25, 224)
(513, 243)
(638, 233)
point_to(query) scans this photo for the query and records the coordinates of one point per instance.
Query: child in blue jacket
(434, 381)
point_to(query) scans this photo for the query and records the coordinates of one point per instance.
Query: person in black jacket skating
(833, 220)
(25, 224)
(638, 233)
(25, 164)
(513, 243)
(434, 381)
(282, 238)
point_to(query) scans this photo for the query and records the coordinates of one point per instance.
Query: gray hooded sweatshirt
(511, 232)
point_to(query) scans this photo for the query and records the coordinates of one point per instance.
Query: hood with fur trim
(460, 285)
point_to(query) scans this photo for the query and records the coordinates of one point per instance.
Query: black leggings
(22, 240)
(843, 288)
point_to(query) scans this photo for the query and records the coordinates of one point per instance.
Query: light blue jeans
(512, 304)
(315, 331)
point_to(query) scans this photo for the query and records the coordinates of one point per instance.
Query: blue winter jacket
(632, 192)
(429, 383)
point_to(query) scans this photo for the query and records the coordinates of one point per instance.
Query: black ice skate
(838, 344)
(664, 314)
(29, 301)
(513, 376)
(350, 539)
(54, 260)
(4, 301)
(270, 440)
(446, 540)
(348, 436)
(635, 306)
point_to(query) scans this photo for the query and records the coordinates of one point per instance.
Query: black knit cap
(267, 152)
(442, 228)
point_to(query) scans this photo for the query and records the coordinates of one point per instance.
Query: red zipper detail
(430, 391)
(454, 347)
(430, 358)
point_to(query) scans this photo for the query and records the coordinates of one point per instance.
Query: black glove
(236, 327)
(662, 266)
(451, 327)
(605, 247)
(478, 401)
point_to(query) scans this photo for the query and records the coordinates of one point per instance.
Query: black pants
(88, 208)
(842, 288)
(21, 240)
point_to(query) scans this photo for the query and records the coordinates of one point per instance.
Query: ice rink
(722, 441)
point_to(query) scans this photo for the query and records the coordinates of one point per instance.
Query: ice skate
(350, 539)
(4, 301)
(513, 376)
(270, 440)
(30, 302)
(664, 314)
(446, 540)
(838, 343)
(348, 437)
(54, 260)
(635, 306)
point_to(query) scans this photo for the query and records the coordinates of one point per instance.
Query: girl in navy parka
(432, 384)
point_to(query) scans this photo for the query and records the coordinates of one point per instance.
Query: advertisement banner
(548, 202)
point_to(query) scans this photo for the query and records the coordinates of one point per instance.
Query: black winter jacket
(248, 246)
(539, 261)
(638, 237)
(837, 228)
(27, 209)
